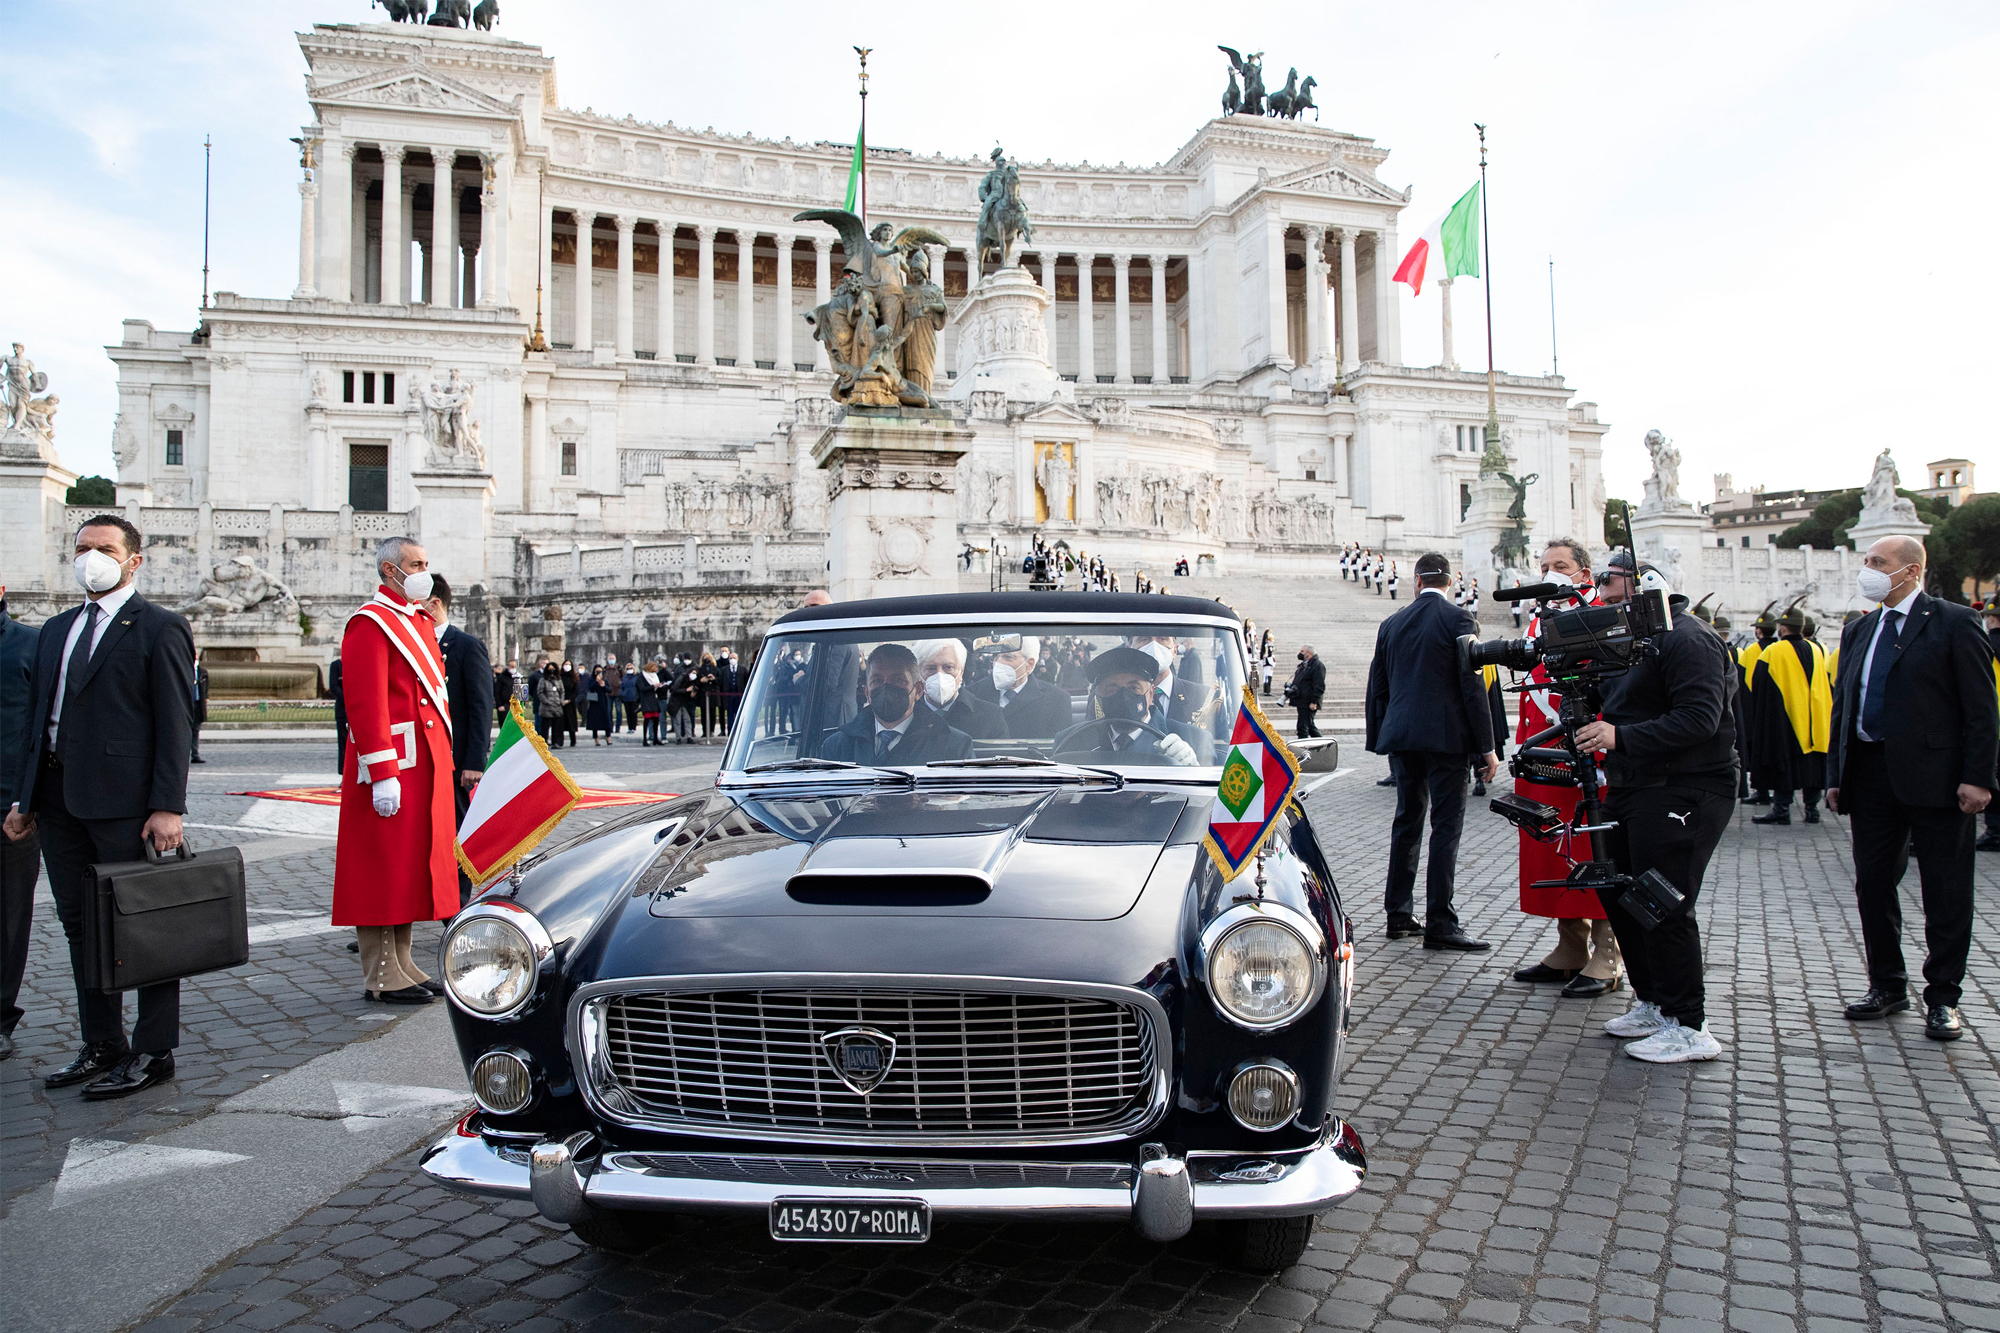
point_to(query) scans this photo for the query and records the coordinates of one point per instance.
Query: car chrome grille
(831, 1173)
(982, 1066)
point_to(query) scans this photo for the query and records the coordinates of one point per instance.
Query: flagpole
(1486, 237)
(863, 51)
(1555, 362)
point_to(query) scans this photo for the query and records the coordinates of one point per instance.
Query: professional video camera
(1577, 645)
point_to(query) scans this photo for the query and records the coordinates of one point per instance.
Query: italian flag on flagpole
(523, 794)
(854, 167)
(1449, 247)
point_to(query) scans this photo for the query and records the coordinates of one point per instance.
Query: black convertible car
(942, 939)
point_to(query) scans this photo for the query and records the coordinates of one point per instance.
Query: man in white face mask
(103, 774)
(941, 662)
(1910, 761)
(1034, 709)
(396, 861)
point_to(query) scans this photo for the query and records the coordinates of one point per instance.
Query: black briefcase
(164, 918)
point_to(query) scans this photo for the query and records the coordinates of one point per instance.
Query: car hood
(1061, 854)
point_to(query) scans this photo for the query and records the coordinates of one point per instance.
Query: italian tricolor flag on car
(523, 794)
(1449, 247)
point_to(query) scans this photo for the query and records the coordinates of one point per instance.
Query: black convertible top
(1013, 605)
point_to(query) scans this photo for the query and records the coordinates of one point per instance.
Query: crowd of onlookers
(684, 699)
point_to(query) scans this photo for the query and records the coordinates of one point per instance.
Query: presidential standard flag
(1258, 777)
(522, 795)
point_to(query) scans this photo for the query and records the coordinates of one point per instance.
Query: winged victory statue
(880, 325)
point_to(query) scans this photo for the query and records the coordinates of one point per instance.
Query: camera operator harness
(1577, 646)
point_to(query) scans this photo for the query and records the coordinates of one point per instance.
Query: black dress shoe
(1589, 988)
(1385, 782)
(353, 947)
(197, 760)
(1775, 817)
(407, 995)
(1989, 843)
(135, 1073)
(1812, 814)
(1401, 927)
(1941, 1023)
(1455, 939)
(1878, 1003)
(434, 986)
(6, 1045)
(89, 1063)
(1542, 972)
(1757, 798)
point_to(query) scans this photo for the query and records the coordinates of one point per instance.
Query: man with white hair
(941, 665)
(1033, 708)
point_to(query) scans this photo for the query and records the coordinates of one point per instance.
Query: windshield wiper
(996, 761)
(1046, 768)
(816, 765)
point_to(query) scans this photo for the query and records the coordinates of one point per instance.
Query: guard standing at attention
(1765, 627)
(396, 862)
(1791, 711)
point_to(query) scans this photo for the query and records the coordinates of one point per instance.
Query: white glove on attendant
(388, 796)
(1176, 750)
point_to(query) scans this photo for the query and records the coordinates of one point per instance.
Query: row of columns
(1121, 333)
(1320, 330)
(327, 243)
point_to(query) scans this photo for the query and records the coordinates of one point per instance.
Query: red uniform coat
(1544, 860)
(394, 871)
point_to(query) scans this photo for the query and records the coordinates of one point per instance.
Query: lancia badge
(860, 1056)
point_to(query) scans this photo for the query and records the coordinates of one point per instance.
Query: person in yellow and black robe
(1751, 790)
(1791, 718)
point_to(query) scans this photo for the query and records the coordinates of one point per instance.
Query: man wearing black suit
(1308, 690)
(1179, 694)
(1910, 762)
(1122, 699)
(895, 728)
(468, 682)
(199, 713)
(1034, 709)
(1430, 716)
(941, 667)
(20, 858)
(339, 715)
(104, 773)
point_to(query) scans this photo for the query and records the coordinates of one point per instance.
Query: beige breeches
(1588, 945)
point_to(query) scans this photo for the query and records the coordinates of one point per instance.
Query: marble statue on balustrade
(21, 383)
(1663, 488)
(236, 586)
(1879, 501)
(868, 324)
(448, 426)
(1003, 218)
(924, 313)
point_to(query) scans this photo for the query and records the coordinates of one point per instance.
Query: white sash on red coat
(417, 647)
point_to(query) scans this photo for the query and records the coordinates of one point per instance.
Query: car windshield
(1111, 695)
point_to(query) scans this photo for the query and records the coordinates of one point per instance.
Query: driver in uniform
(893, 729)
(1121, 709)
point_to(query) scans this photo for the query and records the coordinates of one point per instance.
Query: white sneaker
(1675, 1044)
(1643, 1019)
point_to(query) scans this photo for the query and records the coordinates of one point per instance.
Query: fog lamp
(1263, 1096)
(502, 1083)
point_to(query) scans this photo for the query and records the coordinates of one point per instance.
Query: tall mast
(863, 51)
(1486, 238)
(207, 162)
(1555, 362)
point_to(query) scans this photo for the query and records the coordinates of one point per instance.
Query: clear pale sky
(1765, 218)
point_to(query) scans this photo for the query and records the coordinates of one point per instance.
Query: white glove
(388, 796)
(1176, 750)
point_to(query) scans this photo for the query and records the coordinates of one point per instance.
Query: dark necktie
(885, 741)
(1875, 690)
(79, 657)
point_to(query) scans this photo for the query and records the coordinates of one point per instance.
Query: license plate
(895, 1221)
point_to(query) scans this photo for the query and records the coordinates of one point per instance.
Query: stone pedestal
(1670, 537)
(1003, 341)
(892, 516)
(1874, 525)
(1482, 529)
(34, 547)
(452, 513)
(257, 654)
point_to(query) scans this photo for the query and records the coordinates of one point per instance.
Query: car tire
(620, 1232)
(1265, 1244)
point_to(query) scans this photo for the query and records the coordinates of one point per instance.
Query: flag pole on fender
(523, 794)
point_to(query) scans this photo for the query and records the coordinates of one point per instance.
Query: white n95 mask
(1160, 653)
(1004, 677)
(941, 689)
(417, 587)
(1872, 584)
(98, 572)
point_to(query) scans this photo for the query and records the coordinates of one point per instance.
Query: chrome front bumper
(1162, 1195)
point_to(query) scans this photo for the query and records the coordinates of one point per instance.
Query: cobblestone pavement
(1822, 1176)
(299, 996)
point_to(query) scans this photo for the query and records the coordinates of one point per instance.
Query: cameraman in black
(1670, 743)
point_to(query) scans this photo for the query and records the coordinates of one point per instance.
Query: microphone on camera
(1534, 592)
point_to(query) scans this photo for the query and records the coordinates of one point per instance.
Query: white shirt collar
(112, 602)
(1439, 591)
(899, 728)
(1902, 608)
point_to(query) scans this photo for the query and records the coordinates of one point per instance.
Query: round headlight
(489, 965)
(1262, 973)
(1263, 1096)
(501, 1082)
